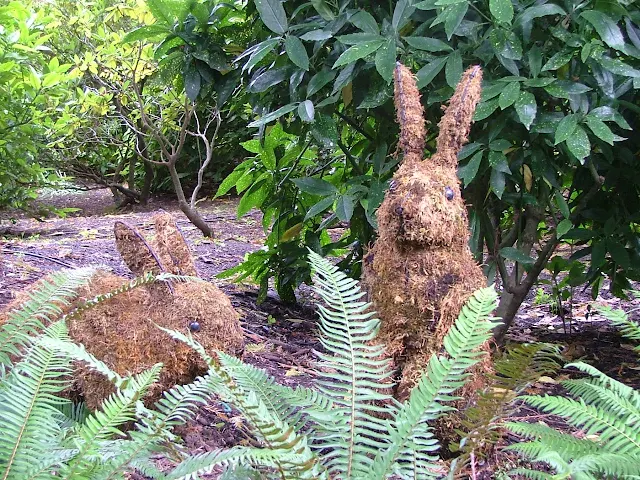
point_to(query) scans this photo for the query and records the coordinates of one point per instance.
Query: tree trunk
(146, 187)
(192, 214)
(515, 289)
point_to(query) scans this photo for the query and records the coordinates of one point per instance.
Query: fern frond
(352, 374)
(412, 442)
(28, 405)
(42, 307)
(296, 406)
(118, 409)
(610, 428)
(604, 381)
(203, 464)
(628, 328)
(79, 352)
(548, 439)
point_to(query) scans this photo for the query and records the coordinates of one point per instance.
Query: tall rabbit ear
(172, 247)
(410, 114)
(135, 251)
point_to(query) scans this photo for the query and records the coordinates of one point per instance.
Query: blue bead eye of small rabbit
(194, 326)
(448, 193)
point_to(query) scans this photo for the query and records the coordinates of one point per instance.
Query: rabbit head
(424, 205)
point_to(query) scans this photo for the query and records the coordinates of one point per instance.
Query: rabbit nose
(194, 326)
(448, 193)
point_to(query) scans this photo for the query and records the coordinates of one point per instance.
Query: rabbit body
(123, 330)
(420, 271)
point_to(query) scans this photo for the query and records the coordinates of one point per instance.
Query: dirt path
(33, 248)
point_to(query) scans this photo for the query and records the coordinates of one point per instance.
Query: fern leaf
(294, 405)
(203, 464)
(24, 324)
(118, 409)
(28, 405)
(352, 374)
(411, 437)
(610, 428)
(628, 328)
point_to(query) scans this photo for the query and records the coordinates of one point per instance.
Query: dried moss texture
(122, 331)
(420, 271)
(171, 246)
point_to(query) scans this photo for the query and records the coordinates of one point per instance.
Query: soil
(281, 339)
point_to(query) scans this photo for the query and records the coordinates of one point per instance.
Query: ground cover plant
(352, 373)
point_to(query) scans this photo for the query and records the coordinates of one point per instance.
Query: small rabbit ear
(135, 251)
(172, 247)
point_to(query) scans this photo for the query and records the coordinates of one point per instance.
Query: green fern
(515, 370)
(26, 323)
(607, 412)
(337, 431)
(43, 435)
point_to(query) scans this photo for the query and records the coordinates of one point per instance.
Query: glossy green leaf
(319, 207)
(469, 171)
(565, 128)
(509, 95)
(558, 60)
(315, 186)
(365, 22)
(618, 253)
(498, 182)
(316, 35)
(563, 206)
(360, 37)
(306, 111)
(273, 15)
(506, 43)
(296, 52)
(502, 10)
(427, 73)
(607, 29)
(253, 198)
(598, 251)
(563, 227)
(535, 60)
(319, 80)
(454, 14)
(357, 52)
(485, 109)
(386, 59)
(322, 7)
(579, 144)
(609, 114)
(566, 88)
(270, 117)
(148, 32)
(401, 13)
(258, 52)
(617, 66)
(526, 108)
(325, 131)
(600, 129)
(515, 255)
(428, 44)
(453, 69)
(344, 207)
(192, 83)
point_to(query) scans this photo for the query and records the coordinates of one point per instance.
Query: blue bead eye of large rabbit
(194, 326)
(448, 193)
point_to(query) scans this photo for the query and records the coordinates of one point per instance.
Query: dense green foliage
(606, 410)
(548, 161)
(34, 86)
(335, 431)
